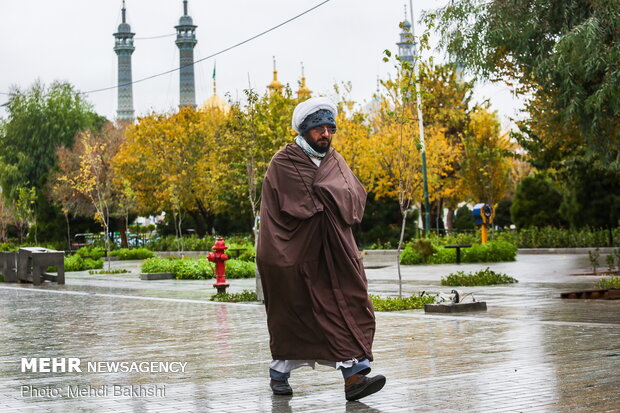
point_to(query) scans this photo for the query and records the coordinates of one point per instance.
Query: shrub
(77, 263)
(187, 268)
(482, 277)
(8, 246)
(171, 243)
(424, 247)
(606, 283)
(193, 243)
(125, 254)
(399, 304)
(494, 251)
(549, 237)
(417, 252)
(155, 264)
(240, 269)
(192, 269)
(443, 256)
(472, 237)
(119, 271)
(91, 252)
(247, 254)
(610, 260)
(244, 296)
(198, 269)
(409, 256)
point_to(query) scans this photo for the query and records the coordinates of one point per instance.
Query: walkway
(531, 351)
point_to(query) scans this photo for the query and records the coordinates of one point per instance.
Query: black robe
(316, 292)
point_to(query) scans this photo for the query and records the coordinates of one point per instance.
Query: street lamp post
(427, 207)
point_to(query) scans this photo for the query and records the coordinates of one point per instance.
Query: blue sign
(482, 213)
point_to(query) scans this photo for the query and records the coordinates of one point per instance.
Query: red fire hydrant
(219, 258)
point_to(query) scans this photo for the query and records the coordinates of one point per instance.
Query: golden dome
(303, 92)
(215, 102)
(275, 86)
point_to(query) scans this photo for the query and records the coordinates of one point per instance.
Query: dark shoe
(358, 386)
(281, 388)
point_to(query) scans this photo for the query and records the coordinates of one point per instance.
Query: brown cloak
(313, 278)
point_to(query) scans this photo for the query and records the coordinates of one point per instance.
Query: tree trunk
(436, 216)
(198, 218)
(400, 245)
(36, 241)
(206, 219)
(106, 225)
(68, 231)
(124, 242)
(450, 220)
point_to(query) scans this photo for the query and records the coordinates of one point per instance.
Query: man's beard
(319, 149)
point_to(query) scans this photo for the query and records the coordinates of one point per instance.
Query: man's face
(320, 138)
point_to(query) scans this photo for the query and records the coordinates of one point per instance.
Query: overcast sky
(343, 40)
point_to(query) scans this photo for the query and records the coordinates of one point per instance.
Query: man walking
(316, 298)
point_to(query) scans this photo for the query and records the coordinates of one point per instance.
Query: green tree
(464, 219)
(40, 120)
(563, 57)
(7, 218)
(25, 211)
(592, 195)
(536, 203)
(539, 47)
(502, 214)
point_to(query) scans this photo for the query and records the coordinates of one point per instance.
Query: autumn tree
(173, 162)
(254, 133)
(486, 163)
(389, 162)
(354, 126)
(447, 104)
(90, 175)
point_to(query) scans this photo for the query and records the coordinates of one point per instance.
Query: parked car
(82, 240)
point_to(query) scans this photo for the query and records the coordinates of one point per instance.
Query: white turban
(308, 107)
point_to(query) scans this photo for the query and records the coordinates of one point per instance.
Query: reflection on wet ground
(531, 351)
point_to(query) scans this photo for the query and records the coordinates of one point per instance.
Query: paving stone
(531, 351)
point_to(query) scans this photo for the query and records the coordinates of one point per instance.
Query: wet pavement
(531, 351)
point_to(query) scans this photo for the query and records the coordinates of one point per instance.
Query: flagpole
(214, 63)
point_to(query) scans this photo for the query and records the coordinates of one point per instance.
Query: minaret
(124, 48)
(186, 40)
(407, 42)
(303, 93)
(275, 86)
